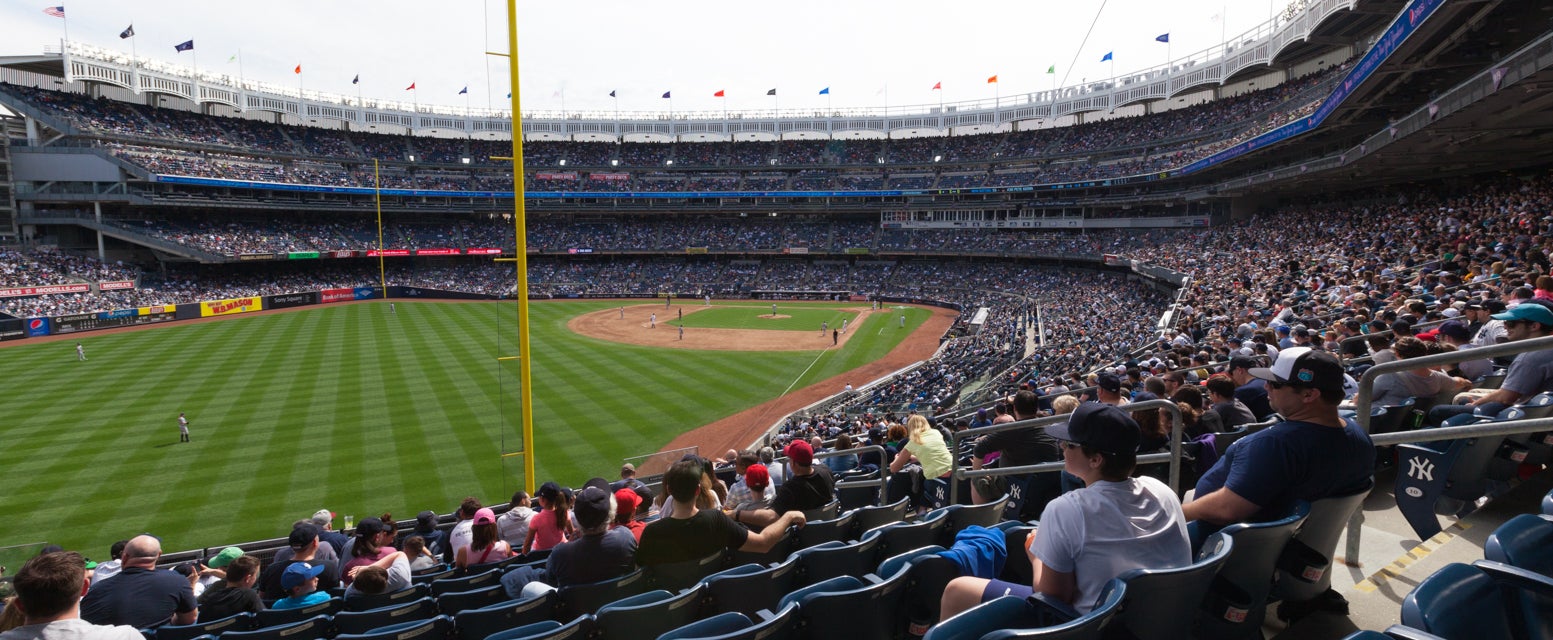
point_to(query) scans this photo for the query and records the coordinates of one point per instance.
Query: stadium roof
(48, 64)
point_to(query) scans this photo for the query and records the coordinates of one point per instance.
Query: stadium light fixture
(563, 162)
(465, 160)
(938, 158)
(668, 163)
(614, 163)
(412, 157)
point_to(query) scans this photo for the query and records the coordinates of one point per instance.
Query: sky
(572, 55)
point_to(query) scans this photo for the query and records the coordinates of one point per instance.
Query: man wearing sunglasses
(1313, 453)
(1530, 373)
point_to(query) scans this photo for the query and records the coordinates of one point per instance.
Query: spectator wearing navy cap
(1530, 373)
(1114, 524)
(599, 552)
(1110, 389)
(1456, 334)
(304, 542)
(1249, 390)
(811, 486)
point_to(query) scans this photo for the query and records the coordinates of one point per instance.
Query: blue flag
(666, 94)
(825, 91)
(187, 46)
(1164, 37)
(611, 94)
(356, 80)
(509, 96)
(463, 90)
(1106, 57)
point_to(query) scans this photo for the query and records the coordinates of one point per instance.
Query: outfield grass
(350, 408)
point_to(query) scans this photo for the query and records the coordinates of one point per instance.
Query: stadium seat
(452, 603)
(869, 518)
(1016, 568)
(583, 599)
(749, 588)
(1394, 632)
(1319, 535)
(1547, 504)
(437, 574)
(367, 603)
(358, 622)
(827, 512)
(866, 610)
(1442, 476)
(276, 617)
(777, 553)
(1391, 417)
(1239, 595)
(476, 624)
(1525, 541)
(856, 492)
(1010, 618)
(1157, 598)
(539, 628)
(1481, 600)
(826, 561)
(674, 576)
(960, 516)
(814, 533)
(900, 538)
(649, 614)
(927, 574)
(236, 622)
(499, 565)
(718, 625)
(314, 628)
(767, 626)
(579, 628)
(467, 583)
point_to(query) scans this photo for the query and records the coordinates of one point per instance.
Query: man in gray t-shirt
(1530, 374)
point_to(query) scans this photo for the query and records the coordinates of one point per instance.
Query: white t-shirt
(461, 535)
(72, 629)
(1103, 530)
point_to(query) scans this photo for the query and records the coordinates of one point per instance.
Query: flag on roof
(463, 90)
(184, 46)
(666, 94)
(772, 92)
(411, 87)
(938, 86)
(825, 91)
(128, 32)
(992, 80)
(611, 93)
(1163, 37)
(720, 94)
(1107, 56)
(58, 12)
(297, 70)
(232, 59)
(1052, 69)
(356, 80)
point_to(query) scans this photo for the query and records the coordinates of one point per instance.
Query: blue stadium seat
(1320, 533)
(236, 622)
(826, 561)
(899, 538)
(467, 583)
(1525, 541)
(853, 493)
(452, 603)
(476, 624)
(1481, 600)
(766, 626)
(1391, 417)
(314, 628)
(1010, 618)
(827, 512)
(1016, 568)
(815, 533)
(674, 576)
(869, 518)
(720, 624)
(436, 628)
(499, 565)
(1436, 476)
(749, 588)
(1239, 596)
(431, 575)
(1156, 599)
(540, 628)
(777, 553)
(650, 614)
(364, 621)
(366, 603)
(579, 628)
(275, 617)
(583, 599)
(870, 610)
(960, 516)
(927, 574)
(1394, 632)
(1547, 504)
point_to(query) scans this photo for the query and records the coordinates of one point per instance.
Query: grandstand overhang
(51, 64)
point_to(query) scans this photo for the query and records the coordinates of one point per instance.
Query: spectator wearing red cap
(810, 487)
(626, 504)
(485, 544)
(751, 492)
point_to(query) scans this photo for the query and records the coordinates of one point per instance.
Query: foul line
(805, 372)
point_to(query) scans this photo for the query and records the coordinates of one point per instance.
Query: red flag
(299, 69)
(719, 94)
(937, 86)
(992, 80)
(411, 87)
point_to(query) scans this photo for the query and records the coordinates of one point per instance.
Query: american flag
(58, 12)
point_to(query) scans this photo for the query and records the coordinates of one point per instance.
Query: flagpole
(66, 17)
(196, 85)
(240, 79)
(134, 56)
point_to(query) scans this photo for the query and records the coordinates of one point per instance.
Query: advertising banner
(555, 176)
(388, 253)
(39, 291)
(336, 295)
(290, 300)
(116, 285)
(581, 250)
(483, 251)
(341, 254)
(365, 293)
(157, 310)
(436, 252)
(37, 327)
(696, 250)
(302, 255)
(613, 177)
(248, 257)
(12, 334)
(230, 307)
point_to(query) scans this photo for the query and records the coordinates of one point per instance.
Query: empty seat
(428, 576)
(826, 561)
(648, 615)
(815, 533)
(1008, 618)
(749, 588)
(452, 603)
(467, 583)
(314, 628)
(674, 576)
(900, 538)
(435, 628)
(579, 628)
(364, 621)
(826, 512)
(580, 599)
(869, 518)
(1240, 594)
(720, 624)
(1525, 541)
(476, 624)
(869, 610)
(236, 622)
(1482, 600)
(961, 516)
(1157, 599)
(767, 626)
(1320, 533)
(366, 603)
(1430, 472)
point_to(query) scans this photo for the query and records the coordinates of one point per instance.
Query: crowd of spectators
(44, 266)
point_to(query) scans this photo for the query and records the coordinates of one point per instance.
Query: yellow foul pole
(526, 391)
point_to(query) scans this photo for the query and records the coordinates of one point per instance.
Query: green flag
(232, 59)
(1052, 69)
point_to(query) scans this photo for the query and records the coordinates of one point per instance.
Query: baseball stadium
(290, 364)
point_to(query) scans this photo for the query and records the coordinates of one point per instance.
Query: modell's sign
(116, 285)
(483, 251)
(41, 291)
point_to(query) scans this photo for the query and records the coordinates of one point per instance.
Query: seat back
(584, 599)
(747, 592)
(467, 583)
(437, 628)
(1089, 626)
(476, 624)
(277, 617)
(674, 576)
(649, 618)
(857, 491)
(435, 574)
(826, 512)
(814, 533)
(1320, 533)
(832, 559)
(962, 516)
(452, 603)
(1525, 541)
(1239, 594)
(1427, 472)
(314, 628)
(777, 553)
(367, 603)
(236, 622)
(718, 625)
(869, 612)
(776, 627)
(869, 518)
(900, 538)
(1157, 600)
(1458, 601)
(364, 621)
(1392, 416)
(579, 628)
(1547, 504)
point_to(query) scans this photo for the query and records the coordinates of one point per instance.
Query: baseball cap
(1099, 426)
(1304, 367)
(371, 525)
(597, 482)
(298, 573)
(1527, 311)
(1109, 382)
(225, 558)
(626, 501)
(549, 491)
(303, 534)
(1494, 306)
(592, 507)
(1455, 330)
(323, 517)
(1243, 362)
(426, 521)
(757, 475)
(627, 468)
(485, 516)
(800, 453)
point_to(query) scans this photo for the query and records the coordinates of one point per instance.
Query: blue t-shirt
(1293, 461)
(297, 602)
(1254, 395)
